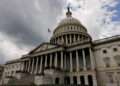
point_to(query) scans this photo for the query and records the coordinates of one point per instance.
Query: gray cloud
(25, 22)
(2, 60)
(20, 31)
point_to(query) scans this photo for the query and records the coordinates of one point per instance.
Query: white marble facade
(71, 57)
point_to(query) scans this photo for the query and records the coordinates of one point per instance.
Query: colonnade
(69, 38)
(72, 61)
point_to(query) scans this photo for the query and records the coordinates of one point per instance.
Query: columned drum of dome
(69, 31)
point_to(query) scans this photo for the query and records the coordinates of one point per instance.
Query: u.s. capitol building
(70, 58)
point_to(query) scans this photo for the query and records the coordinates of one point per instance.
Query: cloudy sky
(24, 23)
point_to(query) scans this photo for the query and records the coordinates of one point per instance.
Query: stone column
(29, 65)
(71, 66)
(66, 39)
(64, 61)
(32, 66)
(84, 59)
(91, 59)
(77, 60)
(70, 38)
(61, 59)
(86, 80)
(74, 37)
(25, 66)
(94, 80)
(78, 80)
(78, 37)
(59, 41)
(22, 66)
(41, 65)
(71, 80)
(51, 57)
(62, 40)
(56, 60)
(45, 61)
(36, 67)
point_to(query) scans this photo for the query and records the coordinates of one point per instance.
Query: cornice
(44, 52)
(13, 61)
(106, 40)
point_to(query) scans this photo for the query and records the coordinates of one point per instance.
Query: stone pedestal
(49, 76)
(25, 77)
(21, 74)
(43, 80)
(54, 73)
(49, 71)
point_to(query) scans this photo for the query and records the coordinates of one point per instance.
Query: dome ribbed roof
(69, 20)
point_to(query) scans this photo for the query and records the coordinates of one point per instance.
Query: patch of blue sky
(116, 16)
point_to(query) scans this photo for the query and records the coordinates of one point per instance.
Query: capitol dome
(69, 30)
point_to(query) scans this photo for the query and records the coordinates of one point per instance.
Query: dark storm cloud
(25, 22)
(18, 18)
(20, 31)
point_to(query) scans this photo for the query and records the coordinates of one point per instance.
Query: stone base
(49, 71)
(52, 71)
(43, 80)
(21, 74)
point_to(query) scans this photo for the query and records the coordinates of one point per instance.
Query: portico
(70, 62)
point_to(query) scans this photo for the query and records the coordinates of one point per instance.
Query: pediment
(43, 47)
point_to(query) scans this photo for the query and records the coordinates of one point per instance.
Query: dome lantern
(68, 13)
